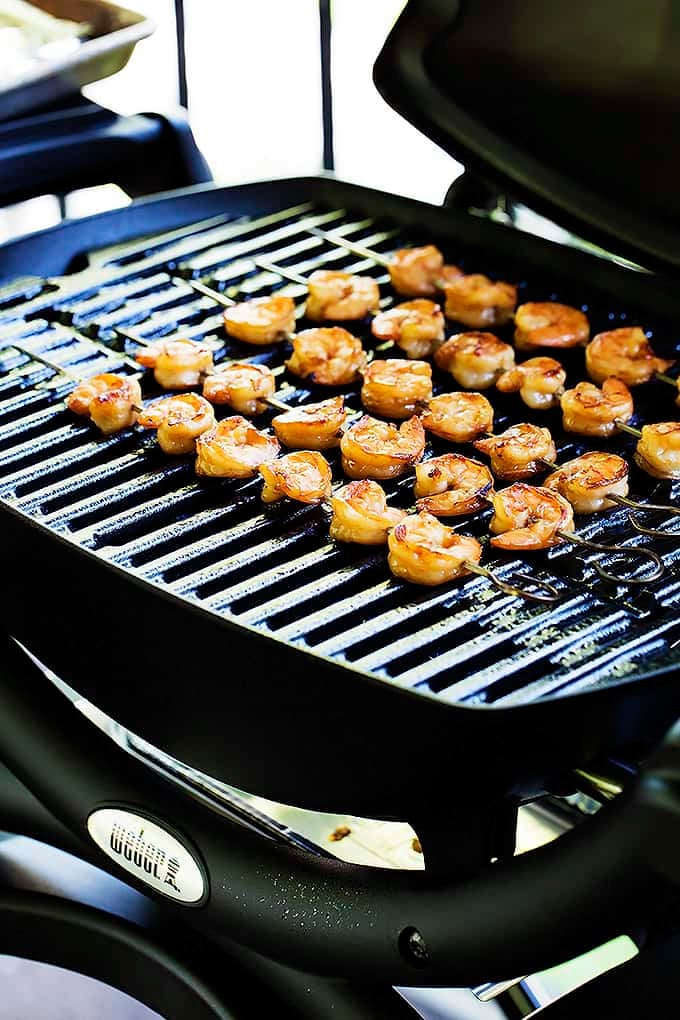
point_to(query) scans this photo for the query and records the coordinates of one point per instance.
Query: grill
(322, 634)
(243, 644)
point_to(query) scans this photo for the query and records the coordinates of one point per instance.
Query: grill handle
(325, 916)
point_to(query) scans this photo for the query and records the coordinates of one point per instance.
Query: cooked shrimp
(312, 426)
(477, 301)
(519, 452)
(234, 449)
(458, 417)
(415, 326)
(340, 296)
(425, 551)
(304, 476)
(179, 420)
(361, 514)
(550, 324)
(590, 411)
(529, 517)
(110, 401)
(414, 270)
(475, 360)
(451, 485)
(625, 353)
(242, 385)
(329, 356)
(177, 364)
(396, 387)
(378, 449)
(658, 450)
(263, 320)
(587, 481)
(540, 382)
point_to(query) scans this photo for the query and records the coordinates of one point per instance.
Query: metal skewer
(513, 589)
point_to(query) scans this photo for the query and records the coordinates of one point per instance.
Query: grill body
(240, 641)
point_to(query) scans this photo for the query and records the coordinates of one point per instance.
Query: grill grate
(215, 543)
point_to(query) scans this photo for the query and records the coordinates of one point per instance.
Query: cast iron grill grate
(274, 568)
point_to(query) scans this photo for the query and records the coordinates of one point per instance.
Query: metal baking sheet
(115, 31)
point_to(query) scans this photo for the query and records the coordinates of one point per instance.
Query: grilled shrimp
(475, 360)
(658, 450)
(242, 385)
(234, 449)
(540, 382)
(587, 481)
(415, 326)
(329, 356)
(304, 476)
(550, 324)
(340, 296)
(590, 411)
(479, 302)
(312, 426)
(451, 485)
(177, 364)
(425, 551)
(263, 320)
(110, 401)
(396, 387)
(458, 417)
(361, 514)
(529, 517)
(180, 420)
(419, 272)
(625, 353)
(519, 452)
(378, 449)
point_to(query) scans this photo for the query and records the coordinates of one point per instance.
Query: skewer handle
(201, 288)
(356, 249)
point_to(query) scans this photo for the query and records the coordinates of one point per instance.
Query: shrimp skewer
(179, 421)
(177, 364)
(244, 386)
(590, 411)
(478, 302)
(258, 321)
(376, 449)
(530, 518)
(332, 294)
(311, 426)
(234, 448)
(361, 514)
(304, 475)
(519, 452)
(417, 327)
(452, 485)
(540, 382)
(596, 481)
(414, 272)
(475, 360)
(422, 550)
(459, 417)
(111, 401)
(328, 356)
(626, 354)
(550, 324)
(396, 387)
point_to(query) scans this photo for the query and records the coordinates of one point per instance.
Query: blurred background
(248, 60)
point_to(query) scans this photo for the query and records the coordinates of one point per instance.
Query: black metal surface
(199, 577)
(367, 924)
(78, 144)
(572, 112)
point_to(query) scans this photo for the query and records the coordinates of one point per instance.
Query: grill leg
(470, 836)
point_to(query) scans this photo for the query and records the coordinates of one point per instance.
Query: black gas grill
(241, 641)
(270, 574)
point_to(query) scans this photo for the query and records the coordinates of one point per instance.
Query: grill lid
(572, 110)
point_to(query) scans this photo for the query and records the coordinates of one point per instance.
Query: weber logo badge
(148, 852)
